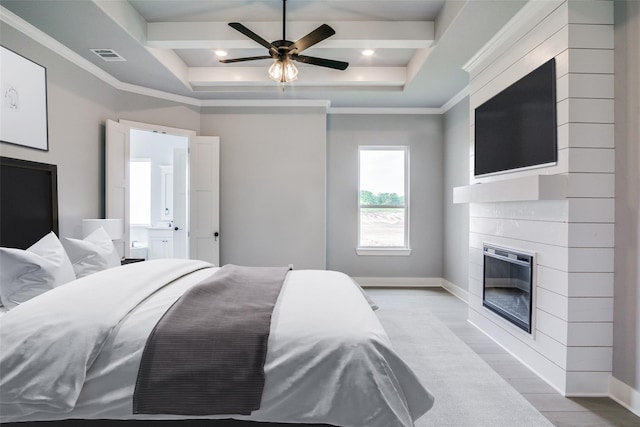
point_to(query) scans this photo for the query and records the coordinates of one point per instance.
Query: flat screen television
(516, 129)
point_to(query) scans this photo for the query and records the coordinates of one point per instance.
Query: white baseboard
(456, 290)
(624, 395)
(399, 282)
(413, 282)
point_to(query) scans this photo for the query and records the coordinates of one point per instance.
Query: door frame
(150, 127)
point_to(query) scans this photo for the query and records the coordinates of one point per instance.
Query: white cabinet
(160, 243)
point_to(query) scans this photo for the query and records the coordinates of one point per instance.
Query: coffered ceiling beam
(309, 76)
(355, 34)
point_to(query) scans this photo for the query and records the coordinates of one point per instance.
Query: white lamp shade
(113, 227)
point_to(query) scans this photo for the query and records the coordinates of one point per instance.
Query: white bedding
(74, 351)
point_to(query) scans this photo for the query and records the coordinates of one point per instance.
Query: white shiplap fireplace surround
(564, 214)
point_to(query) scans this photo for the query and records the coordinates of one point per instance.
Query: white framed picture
(23, 85)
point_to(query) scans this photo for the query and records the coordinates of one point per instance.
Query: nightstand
(130, 260)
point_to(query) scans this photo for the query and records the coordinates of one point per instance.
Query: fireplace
(508, 284)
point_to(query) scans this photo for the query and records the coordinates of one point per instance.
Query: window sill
(383, 251)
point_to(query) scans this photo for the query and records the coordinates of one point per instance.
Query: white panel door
(180, 201)
(204, 233)
(117, 180)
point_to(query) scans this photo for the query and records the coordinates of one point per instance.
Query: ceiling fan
(284, 51)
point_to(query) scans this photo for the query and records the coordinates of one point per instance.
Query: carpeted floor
(467, 391)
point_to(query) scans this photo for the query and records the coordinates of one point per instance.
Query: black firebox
(507, 284)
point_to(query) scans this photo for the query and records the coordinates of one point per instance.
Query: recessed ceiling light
(368, 52)
(221, 53)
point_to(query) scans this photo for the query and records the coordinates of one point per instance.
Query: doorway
(202, 194)
(159, 196)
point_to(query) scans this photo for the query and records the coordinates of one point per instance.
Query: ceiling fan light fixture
(283, 71)
(221, 53)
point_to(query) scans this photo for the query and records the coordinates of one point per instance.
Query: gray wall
(456, 173)
(272, 185)
(626, 331)
(423, 135)
(78, 106)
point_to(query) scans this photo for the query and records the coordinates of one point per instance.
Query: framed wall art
(23, 85)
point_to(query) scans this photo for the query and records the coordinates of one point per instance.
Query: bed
(72, 355)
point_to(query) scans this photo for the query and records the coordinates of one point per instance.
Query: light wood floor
(561, 411)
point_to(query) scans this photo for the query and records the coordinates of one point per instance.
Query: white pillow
(25, 274)
(95, 253)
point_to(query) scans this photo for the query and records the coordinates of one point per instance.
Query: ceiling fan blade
(250, 58)
(253, 36)
(316, 36)
(329, 63)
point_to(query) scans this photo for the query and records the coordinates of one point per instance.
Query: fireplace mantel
(535, 187)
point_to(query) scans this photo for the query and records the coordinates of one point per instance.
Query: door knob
(215, 236)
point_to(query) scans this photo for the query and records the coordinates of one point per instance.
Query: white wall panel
(475, 286)
(590, 284)
(591, 12)
(591, 210)
(589, 358)
(590, 60)
(553, 303)
(475, 271)
(548, 255)
(589, 85)
(591, 235)
(590, 334)
(552, 326)
(591, 185)
(553, 280)
(552, 349)
(540, 364)
(581, 383)
(592, 160)
(588, 110)
(590, 309)
(551, 233)
(584, 36)
(591, 260)
(540, 210)
(587, 135)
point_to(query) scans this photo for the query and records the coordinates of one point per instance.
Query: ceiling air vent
(108, 54)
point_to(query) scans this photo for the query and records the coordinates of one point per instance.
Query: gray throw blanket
(206, 354)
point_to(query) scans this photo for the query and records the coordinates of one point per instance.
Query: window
(140, 192)
(383, 227)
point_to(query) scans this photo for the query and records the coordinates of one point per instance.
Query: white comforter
(74, 351)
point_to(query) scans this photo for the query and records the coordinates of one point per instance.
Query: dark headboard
(28, 201)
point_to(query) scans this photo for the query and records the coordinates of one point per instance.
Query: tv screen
(517, 127)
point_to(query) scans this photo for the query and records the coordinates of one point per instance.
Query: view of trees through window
(382, 197)
(392, 199)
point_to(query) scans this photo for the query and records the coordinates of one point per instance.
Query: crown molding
(367, 110)
(258, 103)
(455, 99)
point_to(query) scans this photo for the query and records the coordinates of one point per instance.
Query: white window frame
(387, 251)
